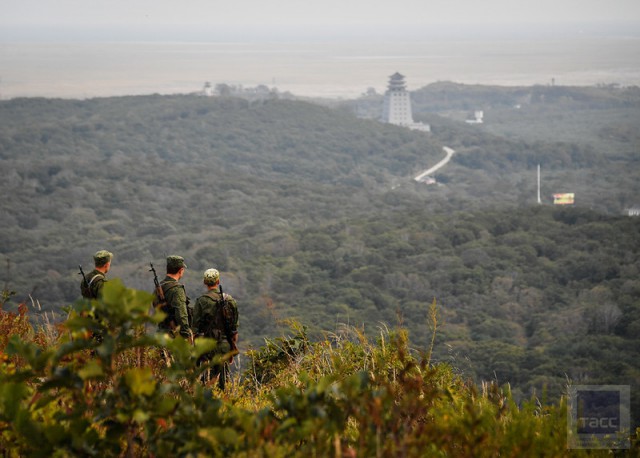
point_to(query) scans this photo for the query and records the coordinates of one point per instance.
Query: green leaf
(166, 405)
(11, 395)
(287, 424)
(92, 370)
(31, 431)
(128, 302)
(56, 434)
(140, 381)
(140, 416)
(204, 345)
(324, 383)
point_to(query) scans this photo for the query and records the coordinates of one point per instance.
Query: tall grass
(344, 396)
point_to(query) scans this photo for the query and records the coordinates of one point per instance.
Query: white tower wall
(396, 108)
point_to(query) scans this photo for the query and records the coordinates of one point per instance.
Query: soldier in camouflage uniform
(177, 320)
(92, 284)
(215, 316)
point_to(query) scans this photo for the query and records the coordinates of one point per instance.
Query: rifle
(86, 286)
(158, 288)
(84, 278)
(161, 301)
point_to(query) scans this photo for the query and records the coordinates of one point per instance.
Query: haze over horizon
(202, 20)
(80, 49)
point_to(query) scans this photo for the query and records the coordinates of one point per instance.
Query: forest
(311, 214)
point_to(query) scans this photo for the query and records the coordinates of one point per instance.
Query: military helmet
(211, 276)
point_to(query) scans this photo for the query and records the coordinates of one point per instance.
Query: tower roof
(396, 82)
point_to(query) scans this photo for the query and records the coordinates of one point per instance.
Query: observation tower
(397, 105)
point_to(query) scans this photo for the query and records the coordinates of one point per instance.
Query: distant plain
(316, 69)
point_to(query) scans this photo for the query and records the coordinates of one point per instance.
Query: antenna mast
(539, 201)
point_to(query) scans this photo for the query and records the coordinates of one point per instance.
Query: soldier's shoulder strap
(214, 295)
(169, 284)
(94, 277)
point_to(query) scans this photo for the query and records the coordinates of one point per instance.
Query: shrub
(342, 396)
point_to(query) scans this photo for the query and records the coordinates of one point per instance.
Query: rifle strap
(214, 295)
(94, 277)
(220, 316)
(167, 285)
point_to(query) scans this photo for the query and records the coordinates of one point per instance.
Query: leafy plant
(342, 396)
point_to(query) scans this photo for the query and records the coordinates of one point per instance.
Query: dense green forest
(585, 138)
(311, 213)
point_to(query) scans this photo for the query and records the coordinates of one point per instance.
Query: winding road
(449, 152)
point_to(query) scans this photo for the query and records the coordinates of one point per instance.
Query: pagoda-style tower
(397, 104)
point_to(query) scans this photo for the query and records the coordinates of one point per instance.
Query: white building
(478, 115)
(397, 105)
(207, 91)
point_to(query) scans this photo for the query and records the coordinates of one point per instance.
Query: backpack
(86, 287)
(225, 315)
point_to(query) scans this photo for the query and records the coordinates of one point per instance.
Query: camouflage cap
(211, 276)
(175, 262)
(102, 257)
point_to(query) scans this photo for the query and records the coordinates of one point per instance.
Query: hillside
(155, 175)
(585, 138)
(312, 214)
(66, 394)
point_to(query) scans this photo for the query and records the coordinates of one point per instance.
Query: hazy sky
(146, 16)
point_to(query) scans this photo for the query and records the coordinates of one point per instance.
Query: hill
(67, 394)
(584, 137)
(311, 213)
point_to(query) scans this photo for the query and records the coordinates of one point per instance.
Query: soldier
(216, 316)
(177, 320)
(92, 284)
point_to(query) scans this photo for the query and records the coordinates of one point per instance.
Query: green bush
(341, 396)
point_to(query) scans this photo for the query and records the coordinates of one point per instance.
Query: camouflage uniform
(215, 320)
(208, 319)
(95, 278)
(92, 288)
(177, 314)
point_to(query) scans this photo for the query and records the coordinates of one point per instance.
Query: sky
(114, 19)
